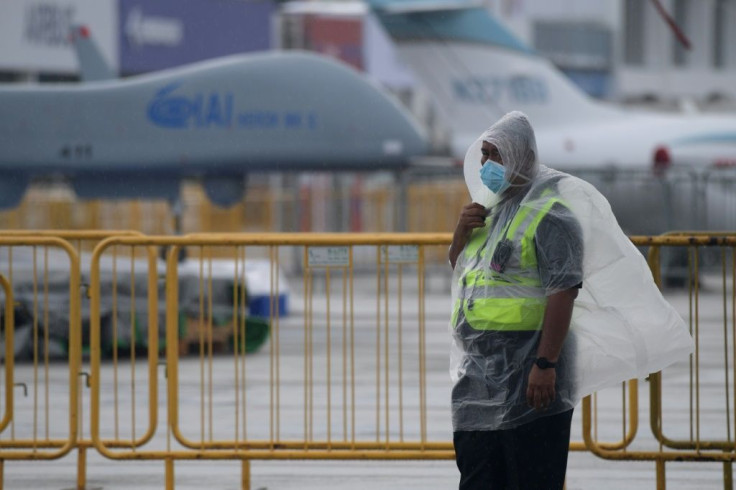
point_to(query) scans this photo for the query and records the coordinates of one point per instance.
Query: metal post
(276, 183)
(82, 468)
(727, 475)
(401, 201)
(669, 206)
(245, 475)
(169, 474)
(661, 481)
(336, 213)
(177, 211)
(2, 473)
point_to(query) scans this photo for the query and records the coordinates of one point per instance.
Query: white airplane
(477, 70)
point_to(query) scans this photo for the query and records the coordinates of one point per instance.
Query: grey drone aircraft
(215, 121)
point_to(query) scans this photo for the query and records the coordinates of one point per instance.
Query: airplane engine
(125, 186)
(225, 191)
(12, 189)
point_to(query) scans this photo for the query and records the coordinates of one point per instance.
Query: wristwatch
(544, 363)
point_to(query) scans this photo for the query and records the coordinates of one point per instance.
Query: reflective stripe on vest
(514, 300)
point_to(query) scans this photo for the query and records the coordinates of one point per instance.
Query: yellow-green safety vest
(514, 300)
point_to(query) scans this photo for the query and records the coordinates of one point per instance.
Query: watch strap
(544, 363)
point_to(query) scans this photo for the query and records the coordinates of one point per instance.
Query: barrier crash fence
(39, 406)
(342, 377)
(692, 405)
(225, 357)
(47, 325)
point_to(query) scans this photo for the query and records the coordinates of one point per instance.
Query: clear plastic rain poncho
(545, 233)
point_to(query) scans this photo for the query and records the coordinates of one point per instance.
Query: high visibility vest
(515, 299)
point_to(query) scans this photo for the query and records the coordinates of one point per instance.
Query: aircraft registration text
(218, 110)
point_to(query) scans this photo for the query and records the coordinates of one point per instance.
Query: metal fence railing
(39, 424)
(187, 361)
(50, 276)
(691, 407)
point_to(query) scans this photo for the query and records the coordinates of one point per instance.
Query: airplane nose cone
(348, 120)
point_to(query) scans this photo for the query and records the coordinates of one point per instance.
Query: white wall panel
(34, 34)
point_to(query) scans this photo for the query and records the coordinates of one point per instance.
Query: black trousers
(532, 456)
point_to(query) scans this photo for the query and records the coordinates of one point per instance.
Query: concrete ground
(585, 471)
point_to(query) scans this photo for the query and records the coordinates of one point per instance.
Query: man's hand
(540, 391)
(472, 216)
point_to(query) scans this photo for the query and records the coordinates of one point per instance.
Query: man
(517, 271)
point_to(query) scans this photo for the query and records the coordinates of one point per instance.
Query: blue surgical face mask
(492, 175)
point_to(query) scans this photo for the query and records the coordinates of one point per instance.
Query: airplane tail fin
(477, 70)
(92, 65)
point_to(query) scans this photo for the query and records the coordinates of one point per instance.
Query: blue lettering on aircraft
(217, 110)
(485, 90)
(293, 120)
(258, 120)
(201, 110)
(170, 111)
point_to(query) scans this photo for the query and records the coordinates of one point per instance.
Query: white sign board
(328, 256)
(398, 254)
(34, 34)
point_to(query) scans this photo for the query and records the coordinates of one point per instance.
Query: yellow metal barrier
(366, 206)
(704, 439)
(629, 419)
(29, 428)
(134, 329)
(8, 328)
(81, 241)
(695, 441)
(327, 397)
(338, 361)
(344, 375)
